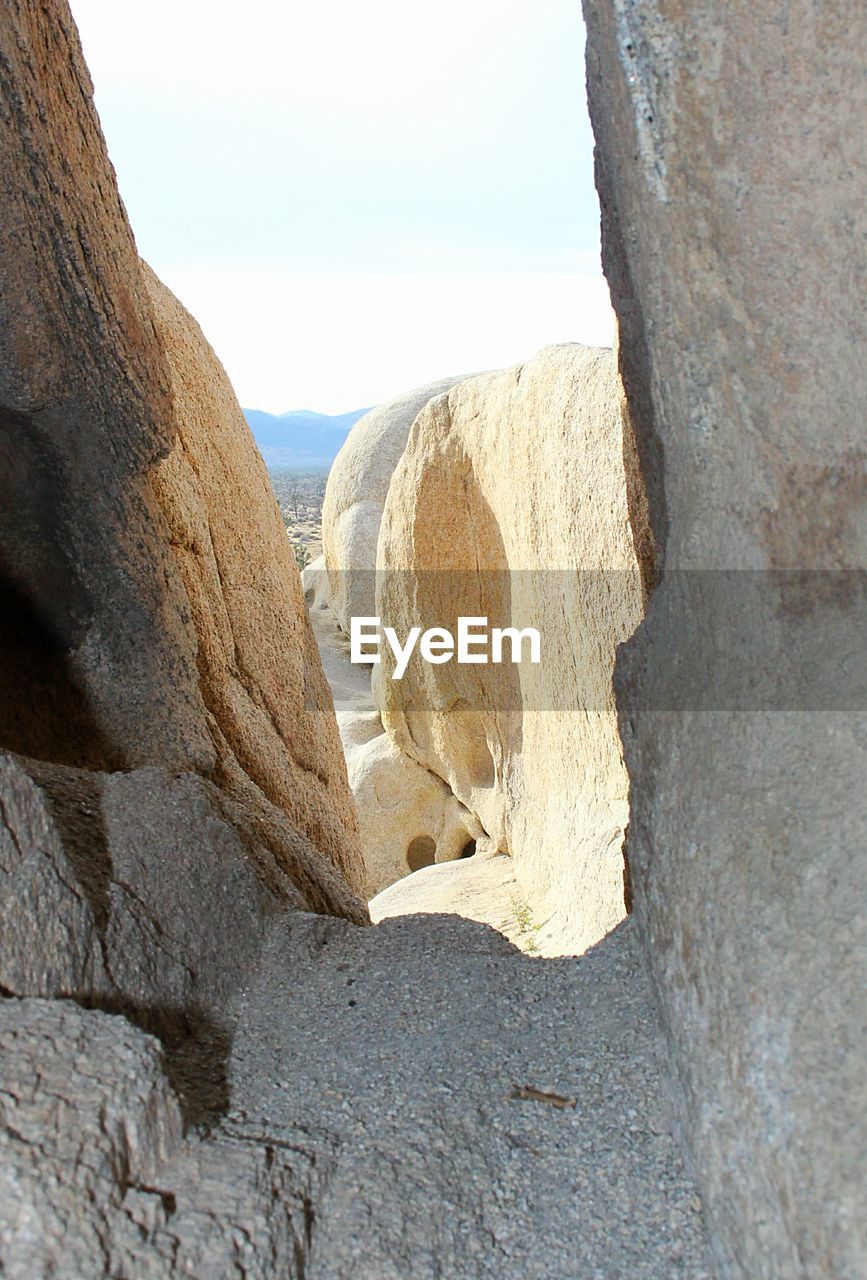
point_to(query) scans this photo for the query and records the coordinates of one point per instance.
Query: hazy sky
(357, 196)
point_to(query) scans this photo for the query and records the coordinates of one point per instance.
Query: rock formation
(730, 167)
(357, 487)
(94, 617)
(483, 889)
(97, 1177)
(267, 704)
(524, 761)
(151, 614)
(171, 779)
(130, 890)
(204, 1077)
(473, 527)
(408, 817)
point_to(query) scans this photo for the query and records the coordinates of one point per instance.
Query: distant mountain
(300, 439)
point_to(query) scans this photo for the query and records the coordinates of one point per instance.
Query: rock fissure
(202, 1076)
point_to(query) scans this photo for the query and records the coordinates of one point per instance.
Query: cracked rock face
(97, 1178)
(107, 896)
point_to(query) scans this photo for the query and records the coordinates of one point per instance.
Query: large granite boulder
(730, 166)
(98, 647)
(482, 888)
(268, 708)
(355, 496)
(407, 816)
(150, 613)
(171, 779)
(510, 503)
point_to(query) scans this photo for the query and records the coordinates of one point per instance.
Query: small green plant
(527, 928)
(302, 559)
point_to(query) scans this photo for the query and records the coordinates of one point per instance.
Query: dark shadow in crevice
(44, 712)
(195, 1042)
(74, 800)
(196, 1049)
(643, 454)
(45, 609)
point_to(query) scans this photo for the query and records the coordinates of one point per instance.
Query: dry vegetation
(299, 496)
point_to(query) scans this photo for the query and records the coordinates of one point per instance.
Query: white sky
(357, 196)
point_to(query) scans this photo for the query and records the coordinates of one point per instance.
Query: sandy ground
(306, 534)
(396, 1058)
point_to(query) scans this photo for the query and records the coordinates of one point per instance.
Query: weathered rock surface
(267, 701)
(355, 496)
(730, 167)
(129, 891)
(336, 1143)
(407, 816)
(473, 527)
(481, 888)
(150, 614)
(161, 798)
(99, 652)
(348, 1080)
(395, 1063)
(314, 581)
(97, 1178)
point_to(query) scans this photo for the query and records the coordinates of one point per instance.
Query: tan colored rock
(407, 816)
(510, 503)
(150, 614)
(268, 706)
(314, 580)
(354, 498)
(481, 888)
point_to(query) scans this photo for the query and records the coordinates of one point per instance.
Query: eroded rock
(98, 648)
(150, 613)
(97, 1177)
(408, 817)
(267, 702)
(480, 522)
(171, 780)
(130, 891)
(481, 888)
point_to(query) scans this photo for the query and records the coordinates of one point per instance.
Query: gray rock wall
(731, 176)
(97, 1177)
